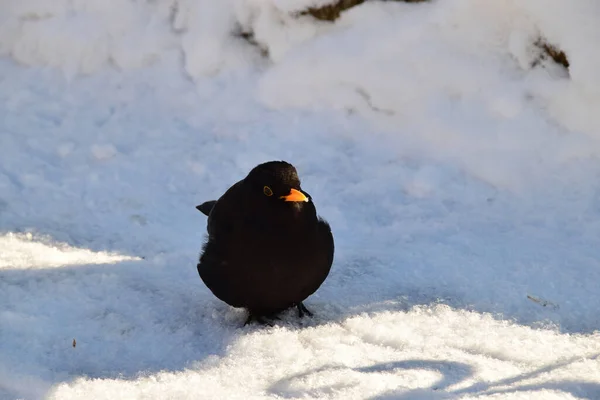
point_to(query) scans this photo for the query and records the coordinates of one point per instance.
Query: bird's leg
(256, 318)
(302, 310)
(261, 319)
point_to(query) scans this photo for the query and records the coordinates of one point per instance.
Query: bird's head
(277, 181)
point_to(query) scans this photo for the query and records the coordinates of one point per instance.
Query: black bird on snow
(267, 249)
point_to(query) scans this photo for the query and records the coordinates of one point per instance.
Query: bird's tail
(206, 207)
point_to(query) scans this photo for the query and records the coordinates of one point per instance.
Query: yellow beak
(295, 195)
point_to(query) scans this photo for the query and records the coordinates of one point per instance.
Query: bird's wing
(215, 266)
(225, 213)
(327, 237)
(216, 273)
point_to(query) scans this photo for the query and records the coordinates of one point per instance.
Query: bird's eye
(267, 191)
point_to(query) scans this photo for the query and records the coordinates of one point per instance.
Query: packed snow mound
(82, 36)
(381, 59)
(389, 60)
(425, 353)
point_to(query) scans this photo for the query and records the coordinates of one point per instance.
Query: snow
(44, 255)
(434, 66)
(461, 185)
(83, 36)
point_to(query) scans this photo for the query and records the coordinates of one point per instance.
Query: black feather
(263, 253)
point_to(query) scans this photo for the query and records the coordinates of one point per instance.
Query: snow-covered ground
(461, 184)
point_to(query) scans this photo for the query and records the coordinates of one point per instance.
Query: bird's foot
(302, 310)
(261, 319)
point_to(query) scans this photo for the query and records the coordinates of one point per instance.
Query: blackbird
(267, 250)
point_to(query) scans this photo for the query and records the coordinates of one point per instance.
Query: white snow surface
(461, 183)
